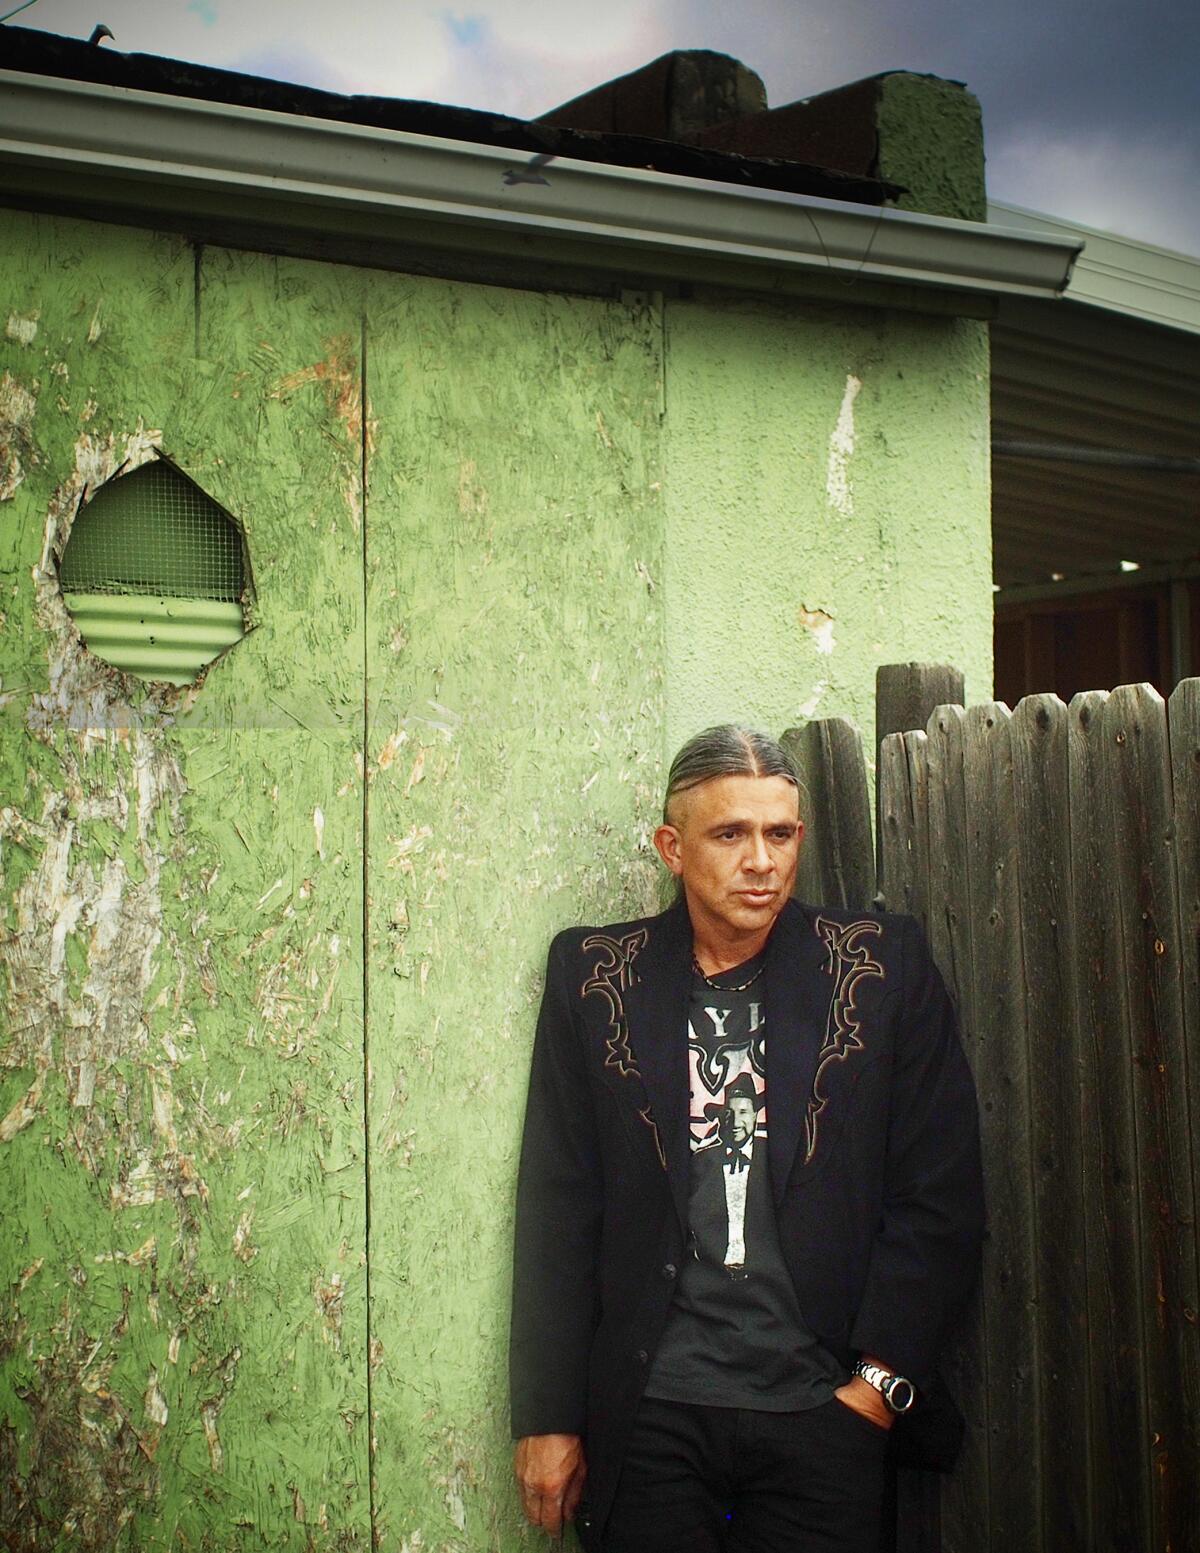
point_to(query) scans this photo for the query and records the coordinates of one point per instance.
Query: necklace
(719, 986)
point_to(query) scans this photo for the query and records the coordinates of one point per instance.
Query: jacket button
(642, 1357)
(668, 1271)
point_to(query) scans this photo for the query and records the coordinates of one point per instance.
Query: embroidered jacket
(873, 1149)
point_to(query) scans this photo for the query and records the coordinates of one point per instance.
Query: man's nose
(758, 856)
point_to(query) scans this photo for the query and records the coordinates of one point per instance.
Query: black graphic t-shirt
(734, 1335)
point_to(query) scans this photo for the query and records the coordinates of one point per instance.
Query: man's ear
(666, 842)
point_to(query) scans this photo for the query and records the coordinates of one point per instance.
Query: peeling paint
(819, 624)
(391, 747)
(339, 377)
(18, 406)
(841, 450)
(211, 1408)
(23, 327)
(328, 1297)
(808, 708)
(154, 1402)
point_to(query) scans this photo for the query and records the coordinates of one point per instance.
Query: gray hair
(727, 750)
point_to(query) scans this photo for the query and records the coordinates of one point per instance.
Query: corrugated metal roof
(1093, 377)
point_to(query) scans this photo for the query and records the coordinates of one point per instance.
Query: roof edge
(142, 152)
(1118, 274)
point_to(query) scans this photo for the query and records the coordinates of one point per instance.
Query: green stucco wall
(826, 508)
(272, 946)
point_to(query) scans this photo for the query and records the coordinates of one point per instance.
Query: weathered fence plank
(1043, 839)
(1134, 733)
(837, 860)
(906, 697)
(1184, 728)
(908, 694)
(1119, 1463)
(1002, 1077)
(903, 778)
(966, 1494)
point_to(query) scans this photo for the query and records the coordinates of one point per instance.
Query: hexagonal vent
(154, 575)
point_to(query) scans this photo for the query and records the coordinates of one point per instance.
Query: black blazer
(873, 1147)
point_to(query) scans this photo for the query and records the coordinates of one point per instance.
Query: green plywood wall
(181, 1079)
(273, 945)
(515, 690)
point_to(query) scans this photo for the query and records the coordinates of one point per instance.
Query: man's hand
(550, 1472)
(864, 1399)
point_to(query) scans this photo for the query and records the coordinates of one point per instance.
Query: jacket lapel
(656, 1014)
(796, 993)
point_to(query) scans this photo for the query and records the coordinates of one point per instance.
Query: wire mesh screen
(154, 532)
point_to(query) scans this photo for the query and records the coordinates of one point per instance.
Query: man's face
(734, 843)
(745, 1113)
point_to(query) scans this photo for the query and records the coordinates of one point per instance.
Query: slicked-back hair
(726, 750)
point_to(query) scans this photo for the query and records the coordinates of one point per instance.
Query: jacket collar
(796, 995)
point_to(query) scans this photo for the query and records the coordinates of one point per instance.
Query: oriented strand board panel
(826, 479)
(181, 1117)
(514, 652)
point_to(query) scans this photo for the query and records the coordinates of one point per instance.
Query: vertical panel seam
(197, 260)
(366, 934)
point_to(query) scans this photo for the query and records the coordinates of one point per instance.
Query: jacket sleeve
(558, 1220)
(926, 1252)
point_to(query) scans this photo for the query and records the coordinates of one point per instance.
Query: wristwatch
(897, 1391)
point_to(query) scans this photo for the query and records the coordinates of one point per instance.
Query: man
(749, 1199)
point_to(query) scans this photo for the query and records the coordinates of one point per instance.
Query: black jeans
(723, 1480)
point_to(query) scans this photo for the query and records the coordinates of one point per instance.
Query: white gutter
(138, 153)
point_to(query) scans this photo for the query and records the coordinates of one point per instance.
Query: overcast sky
(1091, 108)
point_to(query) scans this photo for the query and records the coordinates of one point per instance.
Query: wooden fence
(1053, 856)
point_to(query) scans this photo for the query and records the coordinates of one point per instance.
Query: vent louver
(154, 575)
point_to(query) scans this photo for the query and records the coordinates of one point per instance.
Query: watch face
(898, 1393)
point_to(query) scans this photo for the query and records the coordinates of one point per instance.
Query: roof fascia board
(79, 137)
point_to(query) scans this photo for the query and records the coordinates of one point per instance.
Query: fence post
(906, 696)
(837, 860)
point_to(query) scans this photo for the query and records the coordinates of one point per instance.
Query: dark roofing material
(44, 53)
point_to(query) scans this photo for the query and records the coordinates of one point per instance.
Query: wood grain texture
(1141, 824)
(1002, 1078)
(904, 819)
(906, 696)
(837, 860)
(1119, 1465)
(966, 1493)
(1041, 826)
